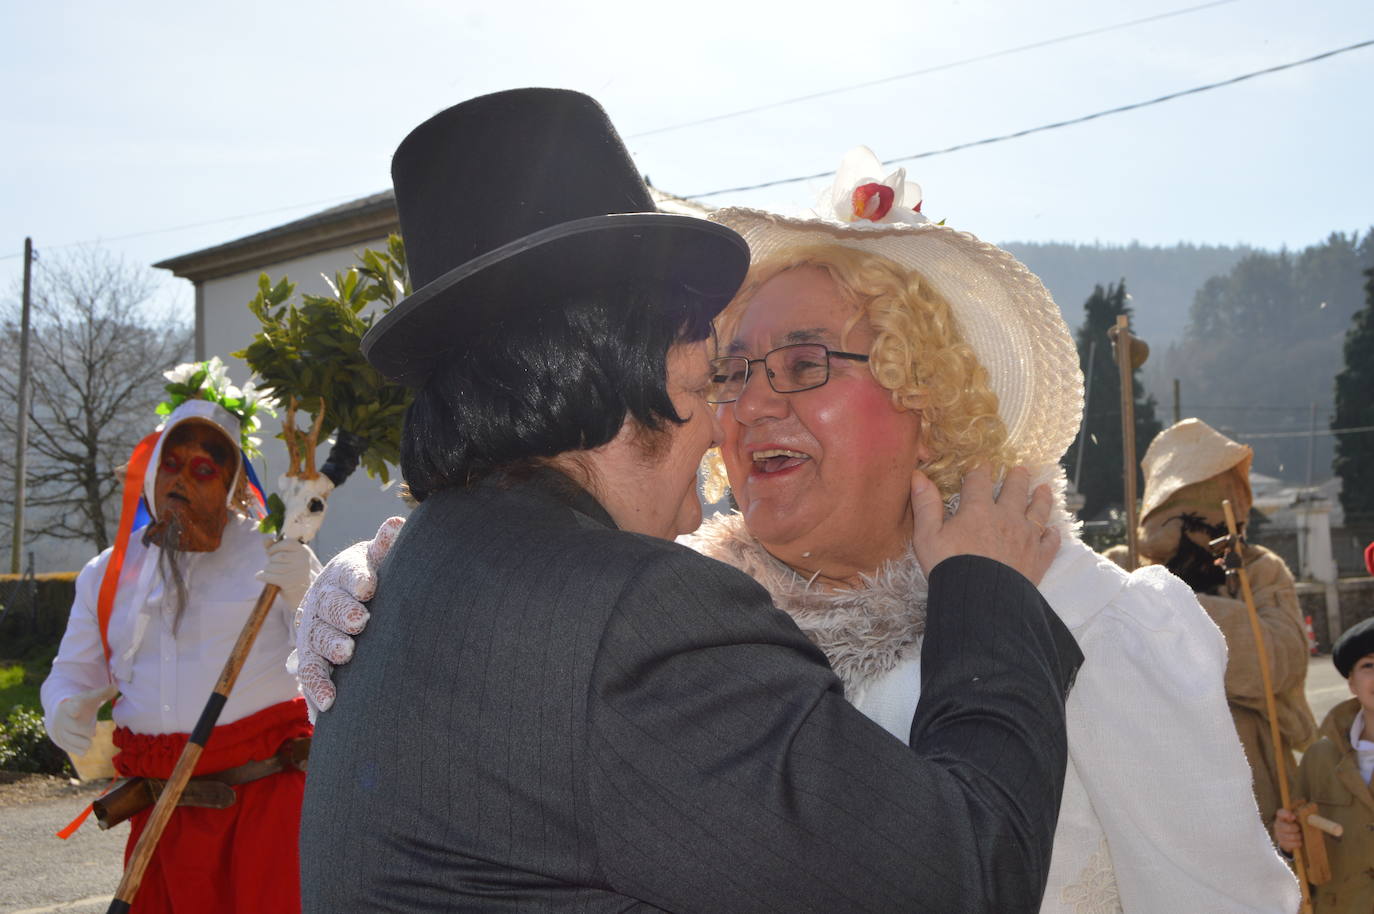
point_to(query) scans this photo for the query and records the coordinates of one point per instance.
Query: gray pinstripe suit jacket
(548, 714)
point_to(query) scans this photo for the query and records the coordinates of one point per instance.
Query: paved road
(40, 874)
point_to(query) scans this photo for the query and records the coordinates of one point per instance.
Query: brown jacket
(1285, 640)
(1330, 777)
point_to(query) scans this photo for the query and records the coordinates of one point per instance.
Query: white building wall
(356, 508)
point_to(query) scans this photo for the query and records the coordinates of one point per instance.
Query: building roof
(365, 219)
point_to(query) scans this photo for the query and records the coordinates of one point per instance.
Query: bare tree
(97, 352)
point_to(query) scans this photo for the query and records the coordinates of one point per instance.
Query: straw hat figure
(1190, 468)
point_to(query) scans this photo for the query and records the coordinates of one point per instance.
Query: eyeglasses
(789, 369)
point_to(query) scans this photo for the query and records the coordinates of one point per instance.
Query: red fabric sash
(257, 736)
(223, 861)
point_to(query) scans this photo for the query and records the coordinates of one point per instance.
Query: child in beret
(1335, 774)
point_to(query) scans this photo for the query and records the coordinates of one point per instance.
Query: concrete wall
(1347, 546)
(227, 325)
(1356, 596)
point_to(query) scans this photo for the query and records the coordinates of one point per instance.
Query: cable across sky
(1073, 36)
(1054, 126)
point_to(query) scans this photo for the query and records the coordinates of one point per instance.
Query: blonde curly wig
(918, 354)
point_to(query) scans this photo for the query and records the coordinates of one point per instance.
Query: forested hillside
(1263, 342)
(1162, 280)
(1254, 337)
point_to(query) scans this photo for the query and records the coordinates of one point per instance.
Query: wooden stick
(1334, 829)
(1313, 844)
(171, 793)
(311, 442)
(1270, 706)
(1126, 365)
(289, 435)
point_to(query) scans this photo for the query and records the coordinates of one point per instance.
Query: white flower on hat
(182, 373)
(209, 380)
(859, 196)
(217, 378)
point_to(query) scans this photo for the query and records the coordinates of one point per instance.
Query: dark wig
(540, 382)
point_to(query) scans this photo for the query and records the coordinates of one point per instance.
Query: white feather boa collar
(864, 631)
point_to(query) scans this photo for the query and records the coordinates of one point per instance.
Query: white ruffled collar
(866, 631)
(863, 632)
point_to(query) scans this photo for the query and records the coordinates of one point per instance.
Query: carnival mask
(192, 487)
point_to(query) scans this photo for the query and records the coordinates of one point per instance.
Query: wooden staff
(171, 792)
(1235, 565)
(1130, 355)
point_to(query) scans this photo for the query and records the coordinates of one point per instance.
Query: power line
(178, 228)
(1281, 409)
(1306, 433)
(935, 69)
(1066, 123)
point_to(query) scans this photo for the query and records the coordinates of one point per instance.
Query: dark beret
(1357, 641)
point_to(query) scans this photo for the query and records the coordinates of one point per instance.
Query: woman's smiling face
(822, 476)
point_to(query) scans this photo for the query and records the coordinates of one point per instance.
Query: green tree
(312, 351)
(1101, 483)
(1354, 461)
(1262, 343)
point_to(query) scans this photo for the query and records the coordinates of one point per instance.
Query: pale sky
(159, 128)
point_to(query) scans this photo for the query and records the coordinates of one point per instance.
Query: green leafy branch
(312, 351)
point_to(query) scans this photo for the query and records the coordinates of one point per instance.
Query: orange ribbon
(134, 472)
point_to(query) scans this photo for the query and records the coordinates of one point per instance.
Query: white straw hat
(1186, 453)
(1003, 311)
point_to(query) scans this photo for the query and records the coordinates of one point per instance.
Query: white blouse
(164, 678)
(1158, 814)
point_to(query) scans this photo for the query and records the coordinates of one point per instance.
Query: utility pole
(1178, 410)
(1130, 353)
(1311, 444)
(21, 428)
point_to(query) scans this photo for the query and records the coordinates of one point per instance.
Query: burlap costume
(1189, 468)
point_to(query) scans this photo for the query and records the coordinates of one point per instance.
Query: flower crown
(209, 380)
(858, 196)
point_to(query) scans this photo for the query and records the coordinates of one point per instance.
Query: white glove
(289, 564)
(73, 722)
(333, 612)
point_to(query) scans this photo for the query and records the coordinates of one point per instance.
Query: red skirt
(220, 861)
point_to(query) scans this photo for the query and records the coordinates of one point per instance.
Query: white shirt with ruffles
(165, 678)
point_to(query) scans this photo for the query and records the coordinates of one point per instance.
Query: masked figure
(154, 621)
(1190, 468)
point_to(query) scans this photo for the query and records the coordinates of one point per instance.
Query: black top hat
(511, 202)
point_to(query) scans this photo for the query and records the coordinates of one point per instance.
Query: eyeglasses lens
(795, 368)
(790, 369)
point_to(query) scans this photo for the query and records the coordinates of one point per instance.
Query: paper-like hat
(1190, 452)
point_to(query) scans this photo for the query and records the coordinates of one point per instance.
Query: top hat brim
(706, 260)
